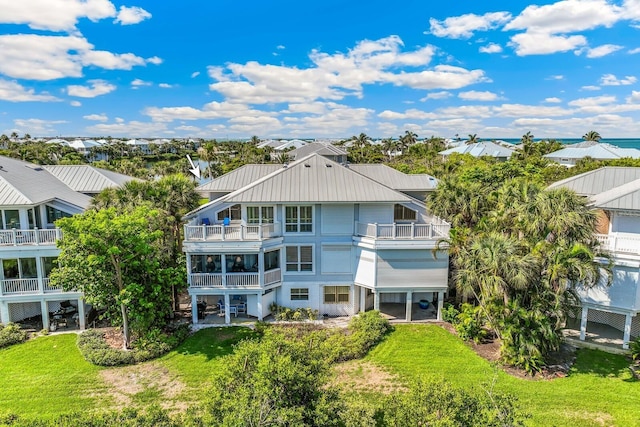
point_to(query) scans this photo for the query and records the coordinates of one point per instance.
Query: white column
(81, 318)
(223, 270)
(44, 307)
(583, 323)
(40, 273)
(259, 308)
(4, 312)
(376, 300)
(440, 304)
(194, 309)
(409, 305)
(627, 331)
(261, 269)
(363, 299)
(227, 315)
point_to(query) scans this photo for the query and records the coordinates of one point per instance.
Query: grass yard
(599, 391)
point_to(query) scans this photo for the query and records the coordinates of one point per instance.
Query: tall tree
(592, 135)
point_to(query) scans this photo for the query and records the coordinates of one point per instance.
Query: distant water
(619, 142)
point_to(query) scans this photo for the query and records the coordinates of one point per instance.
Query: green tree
(114, 259)
(592, 135)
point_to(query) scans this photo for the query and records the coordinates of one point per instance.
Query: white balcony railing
(206, 280)
(27, 287)
(48, 288)
(231, 280)
(196, 233)
(36, 237)
(432, 231)
(272, 276)
(620, 242)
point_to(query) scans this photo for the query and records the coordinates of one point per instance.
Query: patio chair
(220, 309)
(242, 308)
(233, 310)
(205, 221)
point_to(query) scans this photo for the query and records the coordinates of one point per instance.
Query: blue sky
(229, 69)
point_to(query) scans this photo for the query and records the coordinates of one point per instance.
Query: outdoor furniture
(242, 308)
(202, 307)
(220, 308)
(205, 221)
(233, 310)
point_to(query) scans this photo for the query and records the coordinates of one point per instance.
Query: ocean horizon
(618, 142)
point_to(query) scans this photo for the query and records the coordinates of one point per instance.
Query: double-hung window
(336, 294)
(403, 213)
(259, 214)
(299, 219)
(299, 258)
(299, 294)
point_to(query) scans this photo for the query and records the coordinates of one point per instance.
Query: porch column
(81, 318)
(223, 270)
(44, 307)
(259, 307)
(4, 312)
(40, 273)
(583, 323)
(227, 315)
(261, 269)
(194, 309)
(376, 300)
(627, 331)
(409, 306)
(363, 299)
(440, 304)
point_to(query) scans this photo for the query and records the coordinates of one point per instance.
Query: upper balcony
(234, 280)
(436, 229)
(33, 237)
(621, 243)
(219, 232)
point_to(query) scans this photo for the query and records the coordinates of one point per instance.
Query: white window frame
(298, 263)
(300, 294)
(262, 218)
(298, 223)
(336, 294)
(404, 210)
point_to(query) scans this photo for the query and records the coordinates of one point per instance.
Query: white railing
(232, 280)
(20, 286)
(205, 280)
(15, 237)
(272, 276)
(48, 288)
(620, 242)
(430, 231)
(231, 232)
(242, 280)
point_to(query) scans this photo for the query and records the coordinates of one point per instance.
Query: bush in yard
(450, 313)
(469, 323)
(292, 314)
(634, 347)
(11, 334)
(367, 330)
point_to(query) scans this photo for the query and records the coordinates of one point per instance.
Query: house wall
(411, 268)
(365, 272)
(622, 294)
(625, 224)
(372, 213)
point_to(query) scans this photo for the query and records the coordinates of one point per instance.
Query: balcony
(435, 230)
(234, 280)
(29, 237)
(257, 232)
(27, 287)
(620, 243)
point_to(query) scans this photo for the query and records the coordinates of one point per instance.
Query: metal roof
(238, 178)
(23, 183)
(599, 180)
(315, 179)
(316, 147)
(624, 197)
(395, 179)
(599, 151)
(87, 179)
(483, 148)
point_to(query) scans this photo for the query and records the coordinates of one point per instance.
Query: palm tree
(407, 140)
(388, 146)
(592, 135)
(527, 138)
(473, 138)
(254, 140)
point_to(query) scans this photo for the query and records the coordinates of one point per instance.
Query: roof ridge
(18, 191)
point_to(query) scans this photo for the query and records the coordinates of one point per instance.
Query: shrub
(469, 323)
(368, 329)
(291, 314)
(11, 334)
(450, 313)
(634, 346)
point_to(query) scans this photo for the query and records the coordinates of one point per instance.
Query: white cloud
(604, 50)
(165, 85)
(136, 83)
(634, 98)
(96, 88)
(523, 110)
(590, 87)
(463, 27)
(490, 48)
(593, 101)
(212, 110)
(555, 77)
(474, 95)
(195, 74)
(280, 47)
(553, 100)
(75, 103)
(634, 51)
(37, 126)
(96, 117)
(129, 129)
(437, 95)
(155, 60)
(13, 91)
(54, 15)
(540, 43)
(39, 57)
(612, 80)
(131, 15)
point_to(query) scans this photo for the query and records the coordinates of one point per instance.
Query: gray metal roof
(23, 183)
(624, 197)
(87, 179)
(483, 148)
(600, 151)
(316, 147)
(599, 180)
(238, 178)
(315, 179)
(394, 178)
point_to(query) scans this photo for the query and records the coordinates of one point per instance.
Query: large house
(615, 192)
(317, 234)
(481, 149)
(32, 198)
(571, 154)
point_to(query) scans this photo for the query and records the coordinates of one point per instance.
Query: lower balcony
(234, 280)
(27, 287)
(29, 237)
(620, 243)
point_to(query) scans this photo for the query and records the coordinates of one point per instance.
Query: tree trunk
(125, 327)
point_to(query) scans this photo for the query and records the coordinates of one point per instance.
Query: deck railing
(48, 288)
(231, 232)
(272, 276)
(620, 242)
(27, 287)
(395, 231)
(231, 280)
(36, 237)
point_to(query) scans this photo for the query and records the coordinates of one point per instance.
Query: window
(206, 263)
(34, 218)
(260, 215)
(299, 258)
(336, 294)
(233, 213)
(299, 219)
(23, 268)
(48, 264)
(11, 219)
(239, 263)
(271, 260)
(403, 213)
(54, 214)
(299, 294)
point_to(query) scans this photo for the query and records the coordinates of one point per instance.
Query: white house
(570, 155)
(31, 199)
(314, 234)
(483, 148)
(615, 192)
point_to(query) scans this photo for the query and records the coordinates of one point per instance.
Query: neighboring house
(615, 192)
(315, 234)
(141, 145)
(84, 147)
(86, 179)
(329, 151)
(570, 155)
(480, 149)
(31, 199)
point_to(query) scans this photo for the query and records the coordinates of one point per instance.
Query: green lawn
(47, 376)
(599, 390)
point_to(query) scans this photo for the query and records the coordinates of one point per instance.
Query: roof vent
(307, 165)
